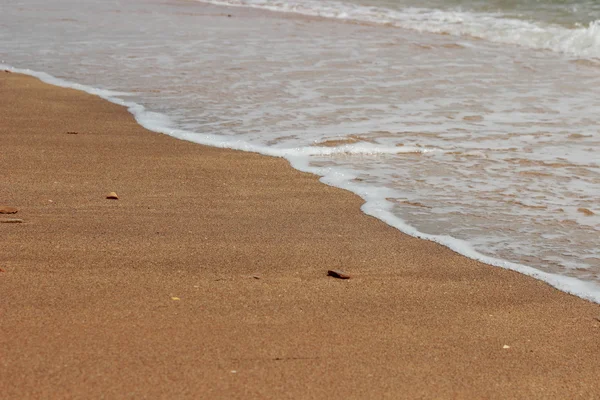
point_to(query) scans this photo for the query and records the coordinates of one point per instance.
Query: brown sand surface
(155, 295)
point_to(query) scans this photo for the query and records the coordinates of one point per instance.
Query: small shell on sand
(112, 196)
(10, 220)
(336, 273)
(8, 210)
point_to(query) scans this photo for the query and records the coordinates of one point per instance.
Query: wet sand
(208, 279)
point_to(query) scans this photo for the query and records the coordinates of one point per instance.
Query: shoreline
(586, 290)
(156, 294)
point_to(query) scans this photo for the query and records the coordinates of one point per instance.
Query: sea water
(471, 123)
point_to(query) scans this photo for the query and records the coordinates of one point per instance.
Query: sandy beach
(207, 278)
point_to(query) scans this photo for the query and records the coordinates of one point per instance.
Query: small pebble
(8, 210)
(112, 196)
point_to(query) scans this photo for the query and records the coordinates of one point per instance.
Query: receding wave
(583, 41)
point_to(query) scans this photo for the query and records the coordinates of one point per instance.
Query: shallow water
(484, 146)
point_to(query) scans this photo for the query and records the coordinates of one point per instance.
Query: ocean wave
(580, 41)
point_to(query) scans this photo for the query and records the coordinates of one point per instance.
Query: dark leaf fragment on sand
(336, 273)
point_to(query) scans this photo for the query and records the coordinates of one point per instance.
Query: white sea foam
(376, 203)
(581, 41)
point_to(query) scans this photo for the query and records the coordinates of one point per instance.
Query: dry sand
(156, 295)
